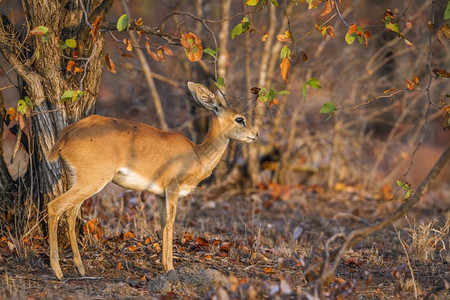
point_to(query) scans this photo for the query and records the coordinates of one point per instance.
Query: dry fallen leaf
(128, 235)
(132, 248)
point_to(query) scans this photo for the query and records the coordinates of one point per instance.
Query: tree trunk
(260, 109)
(42, 65)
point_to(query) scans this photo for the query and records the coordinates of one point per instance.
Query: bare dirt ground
(256, 244)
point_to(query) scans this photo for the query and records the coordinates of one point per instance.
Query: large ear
(204, 97)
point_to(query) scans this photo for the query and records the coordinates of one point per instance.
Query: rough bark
(46, 78)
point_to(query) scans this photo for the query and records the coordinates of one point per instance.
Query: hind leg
(72, 199)
(71, 220)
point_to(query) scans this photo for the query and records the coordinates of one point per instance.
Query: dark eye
(240, 120)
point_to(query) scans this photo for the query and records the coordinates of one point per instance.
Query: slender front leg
(167, 211)
(71, 220)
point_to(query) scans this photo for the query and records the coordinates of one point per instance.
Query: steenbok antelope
(97, 150)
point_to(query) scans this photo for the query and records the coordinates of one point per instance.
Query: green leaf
(44, 38)
(285, 52)
(272, 94)
(283, 93)
(408, 194)
(220, 83)
(240, 28)
(393, 27)
(122, 23)
(236, 31)
(71, 43)
(252, 2)
(28, 102)
(67, 95)
(314, 83)
(274, 2)
(350, 38)
(263, 95)
(22, 107)
(447, 11)
(211, 51)
(37, 53)
(304, 90)
(43, 29)
(62, 45)
(328, 108)
(403, 185)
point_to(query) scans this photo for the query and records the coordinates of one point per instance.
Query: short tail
(56, 149)
(54, 152)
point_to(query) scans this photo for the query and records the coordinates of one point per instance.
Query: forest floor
(260, 241)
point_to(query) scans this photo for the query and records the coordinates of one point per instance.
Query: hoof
(80, 270)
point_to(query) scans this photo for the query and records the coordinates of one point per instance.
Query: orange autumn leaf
(202, 242)
(167, 50)
(139, 22)
(157, 247)
(286, 37)
(285, 66)
(70, 65)
(327, 8)
(160, 54)
(150, 52)
(187, 238)
(110, 64)
(226, 246)
(330, 31)
(366, 37)
(411, 84)
(94, 28)
(267, 270)
(93, 227)
(273, 102)
(264, 37)
(352, 29)
(119, 266)
(192, 46)
(128, 235)
(11, 112)
(147, 241)
(132, 248)
(72, 68)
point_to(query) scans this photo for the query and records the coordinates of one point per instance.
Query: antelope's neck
(211, 150)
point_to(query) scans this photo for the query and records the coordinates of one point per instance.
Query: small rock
(187, 281)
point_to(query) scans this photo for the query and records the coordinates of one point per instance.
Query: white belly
(131, 180)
